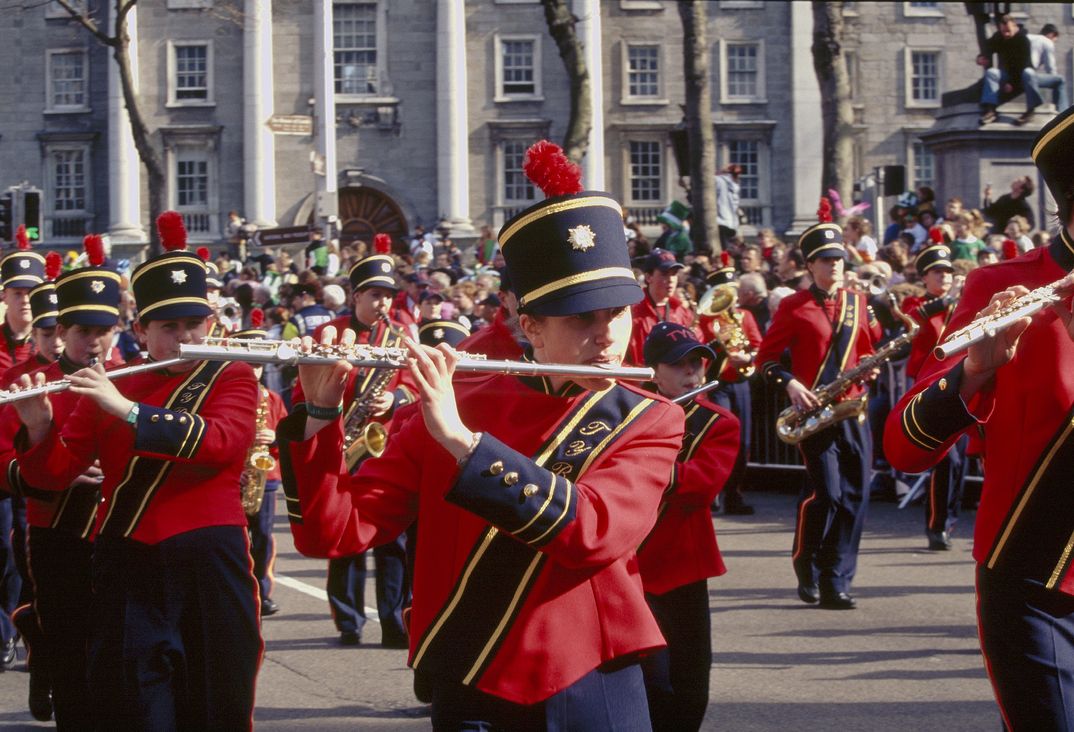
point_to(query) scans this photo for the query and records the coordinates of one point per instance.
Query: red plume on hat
(725, 259)
(53, 265)
(1010, 249)
(824, 211)
(21, 240)
(257, 317)
(203, 252)
(382, 244)
(94, 248)
(172, 231)
(936, 235)
(551, 171)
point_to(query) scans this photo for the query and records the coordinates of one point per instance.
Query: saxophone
(258, 462)
(794, 425)
(362, 437)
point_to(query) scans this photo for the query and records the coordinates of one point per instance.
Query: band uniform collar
(544, 385)
(1062, 250)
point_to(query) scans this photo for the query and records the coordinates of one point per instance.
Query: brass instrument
(794, 425)
(1025, 306)
(258, 462)
(362, 436)
(721, 303)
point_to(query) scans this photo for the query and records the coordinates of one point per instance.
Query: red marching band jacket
(710, 328)
(646, 315)
(1026, 516)
(526, 576)
(494, 341)
(932, 314)
(806, 326)
(175, 470)
(682, 548)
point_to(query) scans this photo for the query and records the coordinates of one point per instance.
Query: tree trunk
(838, 115)
(701, 135)
(561, 21)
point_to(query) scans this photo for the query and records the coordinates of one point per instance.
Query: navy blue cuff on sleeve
(937, 413)
(510, 491)
(932, 307)
(292, 428)
(776, 374)
(160, 431)
(19, 486)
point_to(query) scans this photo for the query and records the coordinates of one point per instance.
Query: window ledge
(70, 110)
(644, 102)
(499, 99)
(923, 105)
(759, 100)
(181, 105)
(366, 99)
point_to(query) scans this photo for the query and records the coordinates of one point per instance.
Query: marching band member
(932, 312)
(528, 609)
(174, 636)
(501, 338)
(733, 370)
(1018, 386)
(373, 283)
(660, 303)
(681, 553)
(827, 329)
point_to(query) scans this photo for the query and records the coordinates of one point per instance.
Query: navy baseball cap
(661, 259)
(671, 342)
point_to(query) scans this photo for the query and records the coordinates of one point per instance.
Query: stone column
(324, 92)
(806, 121)
(452, 130)
(589, 31)
(124, 165)
(258, 145)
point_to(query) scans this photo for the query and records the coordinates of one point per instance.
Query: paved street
(906, 659)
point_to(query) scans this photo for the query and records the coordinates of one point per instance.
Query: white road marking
(294, 584)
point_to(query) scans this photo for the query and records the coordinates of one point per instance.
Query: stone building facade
(228, 88)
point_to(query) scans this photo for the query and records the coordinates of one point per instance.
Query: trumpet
(1025, 306)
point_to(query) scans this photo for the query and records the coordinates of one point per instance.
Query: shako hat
(725, 275)
(1053, 152)
(374, 271)
(22, 267)
(89, 295)
(436, 332)
(171, 285)
(43, 303)
(568, 253)
(256, 331)
(823, 239)
(936, 254)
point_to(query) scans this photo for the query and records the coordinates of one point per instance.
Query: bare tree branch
(561, 25)
(83, 18)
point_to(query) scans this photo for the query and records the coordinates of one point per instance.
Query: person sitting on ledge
(1014, 74)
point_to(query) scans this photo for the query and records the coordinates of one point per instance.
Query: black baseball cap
(671, 342)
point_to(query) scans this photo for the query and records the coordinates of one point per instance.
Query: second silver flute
(281, 352)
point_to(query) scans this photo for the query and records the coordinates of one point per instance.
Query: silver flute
(16, 394)
(363, 355)
(1025, 306)
(689, 396)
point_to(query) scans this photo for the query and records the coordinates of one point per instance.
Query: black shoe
(738, 509)
(1024, 118)
(40, 699)
(350, 638)
(8, 655)
(988, 116)
(809, 594)
(269, 607)
(939, 541)
(837, 601)
(395, 641)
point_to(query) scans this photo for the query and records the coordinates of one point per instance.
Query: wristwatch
(132, 416)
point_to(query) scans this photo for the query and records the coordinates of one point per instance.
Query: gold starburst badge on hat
(97, 286)
(53, 299)
(178, 276)
(385, 267)
(24, 263)
(581, 238)
(438, 333)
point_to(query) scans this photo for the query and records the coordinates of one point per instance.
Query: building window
(922, 10)
(190, 4)
(192, 181)
(646, 172)
(355, 38)
(518, 67)
(643, 72)
(518, 190)
(190, 73)
(67, 196)
(924, 70)
(741, 4)
(851, 58)
(924, 165)
(742, 72)
(67, 75)
(752, 156)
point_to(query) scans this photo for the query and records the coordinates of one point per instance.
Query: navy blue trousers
(60, 565)
(677, 677)
(736, 398)
(608, 699)
(945, 488)
(175, 638)
(346, 590)
(832, 505)
(10, 579)
(262, 543)
(1027, 637)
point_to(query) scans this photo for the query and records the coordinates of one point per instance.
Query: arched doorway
(365, 212)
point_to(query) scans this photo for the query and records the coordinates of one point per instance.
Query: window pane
(518, 72)
(69, 180)
(742, 70)
(516, 186)
(191, 72)
(192, 182)
(355, 37)
(643, 71)
(925, 76)
(924, 165)
(68, 79)
(929, 5)
(747, 153)
(645, 171)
